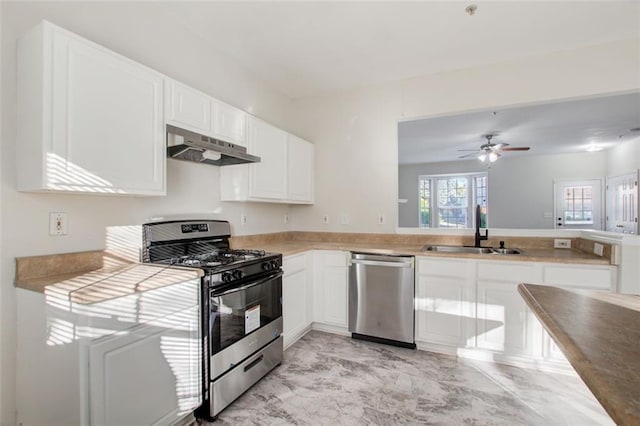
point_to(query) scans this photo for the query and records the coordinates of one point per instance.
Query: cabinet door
(230, 124)
(505, 323)
(268, 178)
(107, 122)
(301, 169)
(188, 108)
(445, 305)
(150, 374)
(330, 288)
(335, 285)
(294, 305)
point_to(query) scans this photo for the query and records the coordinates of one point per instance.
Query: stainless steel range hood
(190, 146)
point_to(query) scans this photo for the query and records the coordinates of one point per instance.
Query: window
(448, 201)
(578, 205)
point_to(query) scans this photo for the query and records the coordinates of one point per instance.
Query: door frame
(557, 182)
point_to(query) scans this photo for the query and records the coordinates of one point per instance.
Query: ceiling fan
(491, 151)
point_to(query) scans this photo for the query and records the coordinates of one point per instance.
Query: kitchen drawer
(508, 271)
(335, 258)
(460, 268)
(579, 276)
(294, 263)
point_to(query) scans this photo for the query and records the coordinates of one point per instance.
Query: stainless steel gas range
(241, 304)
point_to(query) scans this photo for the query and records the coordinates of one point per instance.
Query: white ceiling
(307, 48)
(555, 128)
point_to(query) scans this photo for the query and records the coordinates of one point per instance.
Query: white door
(578, 204)
(622, 203)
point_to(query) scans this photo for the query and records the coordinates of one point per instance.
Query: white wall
(141, 32)
(520, 188)
(624, 158)
(355, 132)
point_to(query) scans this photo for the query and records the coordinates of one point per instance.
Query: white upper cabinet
(300, 167)
(89, 120)
(230, 124)
(193, 110)
(283, 175)
(188, 108)
(268, 178)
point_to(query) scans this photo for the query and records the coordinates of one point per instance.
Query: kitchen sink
(473, 250)
(507, 251)
(459, 249)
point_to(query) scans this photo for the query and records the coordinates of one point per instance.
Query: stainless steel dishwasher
(381, 292)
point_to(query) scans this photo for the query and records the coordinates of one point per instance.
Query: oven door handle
(248, 286)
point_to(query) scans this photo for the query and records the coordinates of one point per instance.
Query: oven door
(243, 319)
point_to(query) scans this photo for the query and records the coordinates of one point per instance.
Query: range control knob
(274, 264)
(266, 266)
(227, 277)
(237, 275)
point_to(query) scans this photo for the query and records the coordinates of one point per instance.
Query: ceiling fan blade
(473, 154)
(474, 150)
(499, 146)
(517, 148)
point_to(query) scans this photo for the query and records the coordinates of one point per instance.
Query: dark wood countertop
(599, 333)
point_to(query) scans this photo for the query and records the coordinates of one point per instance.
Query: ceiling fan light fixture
(482, 157)
(493, 156)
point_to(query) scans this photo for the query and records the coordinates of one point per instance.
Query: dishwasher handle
(382, 263)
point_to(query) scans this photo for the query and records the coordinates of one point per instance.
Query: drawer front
(295, 263)
(335, 258)
(512, 272)
(579, 276)
(445, 267)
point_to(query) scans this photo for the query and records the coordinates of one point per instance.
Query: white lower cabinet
(577, 277)
(445, 302)
(146, 375)
(331, 273)
(505, 323)
(296, 297)
(474, 305)
(131, 360)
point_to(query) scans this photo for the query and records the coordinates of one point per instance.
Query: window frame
(472, 196)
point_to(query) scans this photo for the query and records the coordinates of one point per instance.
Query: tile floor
(333, 380)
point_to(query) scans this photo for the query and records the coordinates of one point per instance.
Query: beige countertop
(288, 248)
(91, 277)
(598, 333)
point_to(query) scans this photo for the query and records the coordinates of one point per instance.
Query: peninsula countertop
(598, 333)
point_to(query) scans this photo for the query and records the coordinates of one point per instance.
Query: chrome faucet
(486, 231)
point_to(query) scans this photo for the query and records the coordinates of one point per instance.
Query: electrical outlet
(325, 219)
(380, 219)
(344, 219)
(598, 249)
(562, 243)
(57, 224)
(286, 218)
(243, 219)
